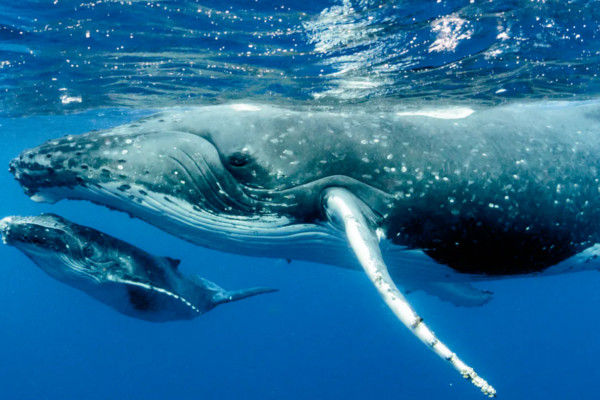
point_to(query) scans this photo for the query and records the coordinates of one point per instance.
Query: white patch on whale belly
(440, 113)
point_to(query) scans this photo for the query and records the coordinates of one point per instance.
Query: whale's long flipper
(345, 210)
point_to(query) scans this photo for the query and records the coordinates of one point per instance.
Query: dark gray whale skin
(115, 272)
(504, 190)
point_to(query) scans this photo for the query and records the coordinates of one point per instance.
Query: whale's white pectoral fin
(344, 209)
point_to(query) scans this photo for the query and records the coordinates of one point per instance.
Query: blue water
(67, 67)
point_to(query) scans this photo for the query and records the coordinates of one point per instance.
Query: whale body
(420, 199)
(116, 273)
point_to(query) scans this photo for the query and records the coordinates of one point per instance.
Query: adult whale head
(114, 272)
(236, 178)
(499, 191)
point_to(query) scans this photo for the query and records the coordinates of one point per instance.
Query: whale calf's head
(115, 272)
(61, 248)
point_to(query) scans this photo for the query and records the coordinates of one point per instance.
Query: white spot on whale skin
(245, 107)
(443, 113)
(64, 99)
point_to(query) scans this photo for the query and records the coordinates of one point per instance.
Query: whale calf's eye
(239, 159)
(88, 251)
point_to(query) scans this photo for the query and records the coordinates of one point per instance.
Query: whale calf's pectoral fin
(221, 296)
(235, 295)
(345, 210)
(458, 293)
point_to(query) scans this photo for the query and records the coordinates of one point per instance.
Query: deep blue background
(326, 334)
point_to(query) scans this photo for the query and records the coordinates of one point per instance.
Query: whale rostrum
(420, 199)
(116, 273)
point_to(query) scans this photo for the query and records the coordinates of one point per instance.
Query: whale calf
(114, 272)
(419, 199)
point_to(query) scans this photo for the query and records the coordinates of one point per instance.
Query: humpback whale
(420, 199)
(114, 272)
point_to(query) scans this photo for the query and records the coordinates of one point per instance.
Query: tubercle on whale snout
(57, 154)
(36, 171)
(11, 166)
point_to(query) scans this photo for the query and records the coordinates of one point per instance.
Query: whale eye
(239, 159)
(246, 168)
(88, 251)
